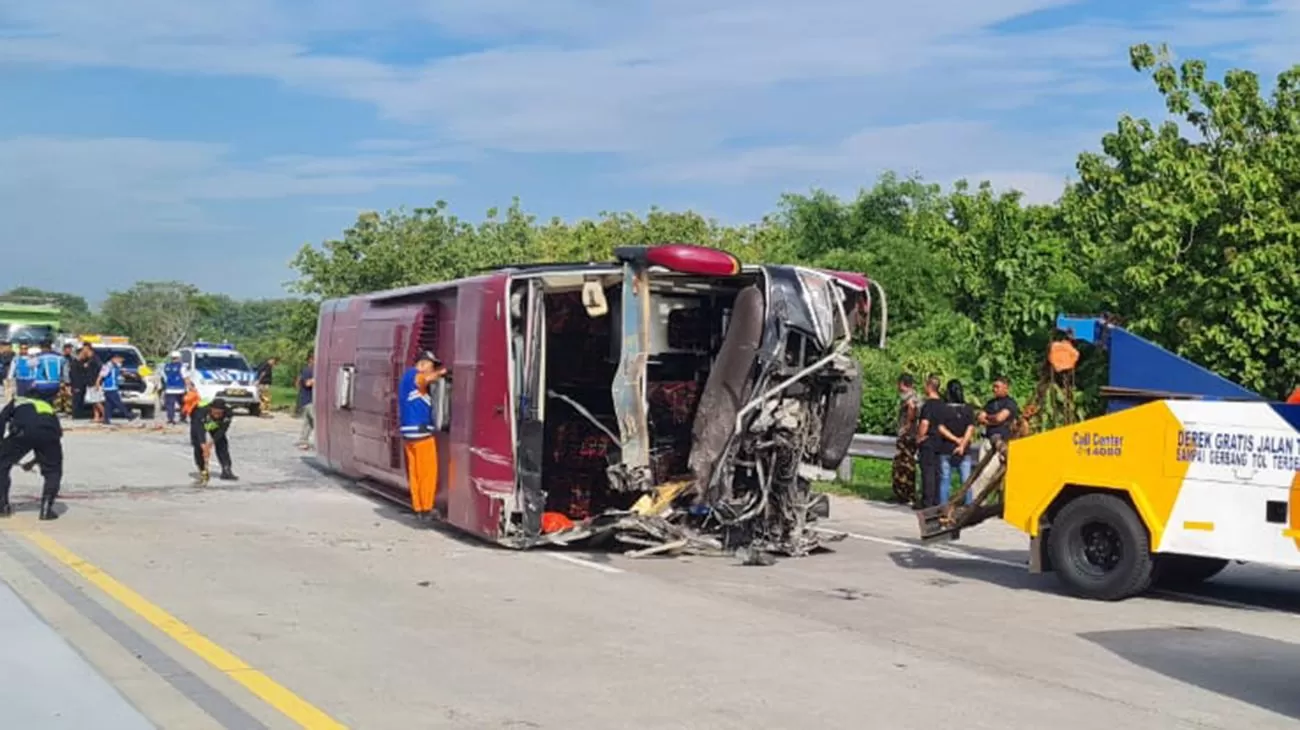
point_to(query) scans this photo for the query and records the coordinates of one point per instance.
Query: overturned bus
(673, 400)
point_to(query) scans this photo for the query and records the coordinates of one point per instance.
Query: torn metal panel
(632, 472)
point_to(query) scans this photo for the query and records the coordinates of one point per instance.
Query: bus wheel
(1180, 571)
(1100, 548)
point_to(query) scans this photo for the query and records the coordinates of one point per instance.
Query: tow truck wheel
(1186, 570)
(1100, 548)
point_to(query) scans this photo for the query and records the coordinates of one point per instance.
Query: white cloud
(127, 184)
(726, 93)
(640, 77)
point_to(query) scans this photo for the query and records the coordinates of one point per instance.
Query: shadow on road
(1260, 671)
(1006, 576)
(1253, 587)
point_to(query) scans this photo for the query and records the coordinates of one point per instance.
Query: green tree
(156, 315)
(1194, 230)
(76, 316)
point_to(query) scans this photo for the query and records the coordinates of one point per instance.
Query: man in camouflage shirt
(909, 408)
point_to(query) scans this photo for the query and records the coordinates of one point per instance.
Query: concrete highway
(289, 600)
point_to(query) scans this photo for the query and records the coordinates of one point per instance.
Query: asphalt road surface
(289, 600)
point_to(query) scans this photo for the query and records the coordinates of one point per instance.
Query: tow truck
(1184, 473)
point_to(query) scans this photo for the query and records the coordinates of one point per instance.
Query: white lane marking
(927, 548)
(584, 563)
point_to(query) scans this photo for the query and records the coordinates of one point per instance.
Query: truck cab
(221, 371)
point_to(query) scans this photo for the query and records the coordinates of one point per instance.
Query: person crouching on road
(173, 387)
(209, 425)
(416, 408)
(31, 426)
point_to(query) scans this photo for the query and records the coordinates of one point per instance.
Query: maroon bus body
(379, 335)
(376, 337)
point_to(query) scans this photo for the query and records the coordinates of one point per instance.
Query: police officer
(23, 370)
(48, 378)
(32, 426)
(208, 426)
(173, 386)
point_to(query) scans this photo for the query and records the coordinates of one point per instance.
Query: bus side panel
(482, 462)
(382, 341)
(336, 341)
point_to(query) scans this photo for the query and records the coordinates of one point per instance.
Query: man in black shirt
(932, 413)
(211, 420)
(84, 372)
(265, 371)
(999, 414)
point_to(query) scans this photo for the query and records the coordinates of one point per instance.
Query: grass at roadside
(872, 479)
(283, 397)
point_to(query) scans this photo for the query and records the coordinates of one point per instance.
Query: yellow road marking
(1202, 526)
(275, 695)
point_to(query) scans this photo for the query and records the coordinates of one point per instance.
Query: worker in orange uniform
(416, 409)
(1294, 398)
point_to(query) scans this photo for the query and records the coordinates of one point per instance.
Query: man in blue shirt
(306, 384)
(173, 386)
(415, 411)
(110, 379)
(23, 370)
(48, 377)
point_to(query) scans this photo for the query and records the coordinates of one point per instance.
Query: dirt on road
(290, 600)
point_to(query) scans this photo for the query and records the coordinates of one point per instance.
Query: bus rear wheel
(1100, 548)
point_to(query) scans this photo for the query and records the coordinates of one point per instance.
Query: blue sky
(207, 140)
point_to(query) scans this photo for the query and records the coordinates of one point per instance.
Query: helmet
(174, 354)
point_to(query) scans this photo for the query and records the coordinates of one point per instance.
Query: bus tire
(1100, 549)
(1184, 571)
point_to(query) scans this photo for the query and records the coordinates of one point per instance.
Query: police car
(139, 386)
(220, 371)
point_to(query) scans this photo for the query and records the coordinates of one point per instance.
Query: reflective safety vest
(111, 374)
(42, 407)
(24, 368)
(47, 371)
(414, 407)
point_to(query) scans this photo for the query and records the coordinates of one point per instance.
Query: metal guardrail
(876, 446)
(873, 446)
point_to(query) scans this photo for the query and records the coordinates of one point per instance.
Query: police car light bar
(210, 346)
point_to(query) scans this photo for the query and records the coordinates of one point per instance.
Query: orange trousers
(422, 472)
